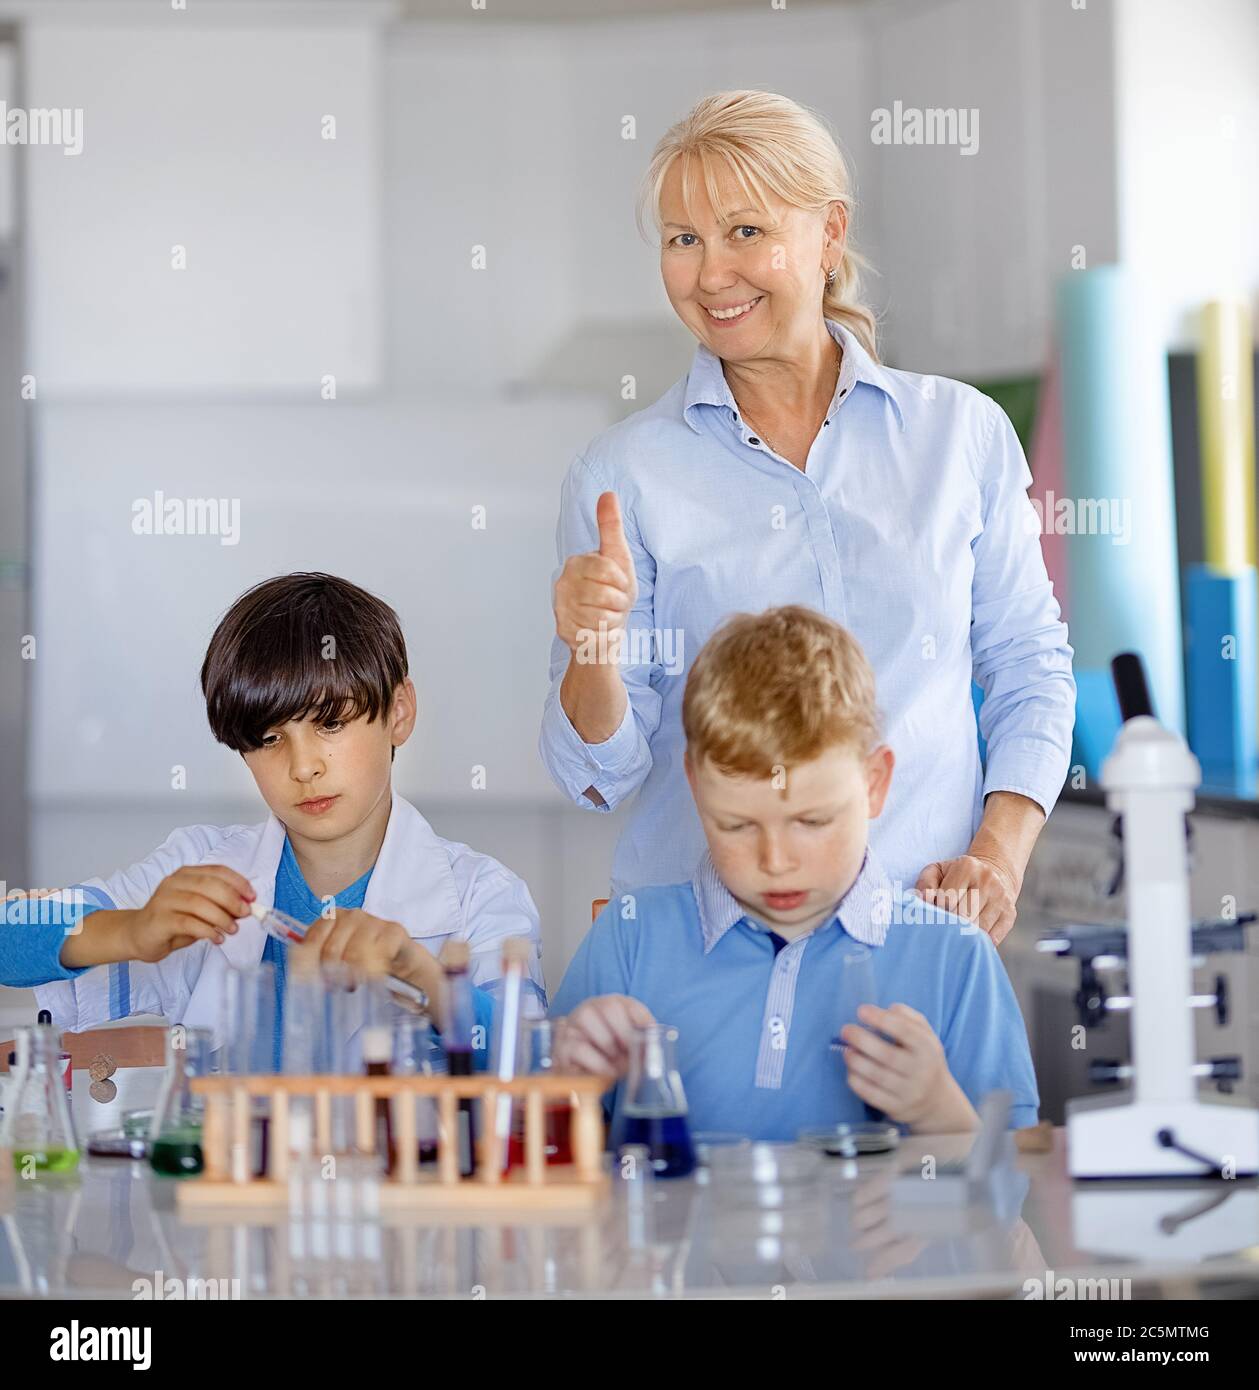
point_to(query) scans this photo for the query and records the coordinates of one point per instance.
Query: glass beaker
(538, 1052)
(175, 1148)
(856, 987)
(38, 1126)
(654, 1113)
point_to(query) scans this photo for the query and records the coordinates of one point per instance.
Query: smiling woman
(791, 467)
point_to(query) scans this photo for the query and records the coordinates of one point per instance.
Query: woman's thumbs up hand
(595, 592)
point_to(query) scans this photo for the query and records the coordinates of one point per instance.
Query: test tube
(856, 986)
(507, 1063)
(457, 1037)
(538, 1059)
(251, 1047)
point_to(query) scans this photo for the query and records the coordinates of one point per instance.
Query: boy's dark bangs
(259, 696)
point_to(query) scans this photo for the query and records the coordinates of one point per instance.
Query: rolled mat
(1117, 469)
(1226, 434)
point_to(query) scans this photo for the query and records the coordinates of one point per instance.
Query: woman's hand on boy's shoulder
(979, 888)
(595, 1038)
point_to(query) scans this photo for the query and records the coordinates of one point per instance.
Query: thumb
(931, 877)
(612, 543)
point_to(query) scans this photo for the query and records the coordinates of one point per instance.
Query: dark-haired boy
(305, 677)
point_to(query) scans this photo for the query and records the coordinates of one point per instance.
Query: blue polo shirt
(755, 1023)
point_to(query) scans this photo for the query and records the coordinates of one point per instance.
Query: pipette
(290, 930)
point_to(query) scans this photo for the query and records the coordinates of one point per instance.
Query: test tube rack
(226, 1180)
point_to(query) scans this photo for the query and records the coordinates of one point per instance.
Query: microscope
(1159, 1128)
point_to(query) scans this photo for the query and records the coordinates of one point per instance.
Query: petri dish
(763, 1175)
(851, 1141)
(137, 1123)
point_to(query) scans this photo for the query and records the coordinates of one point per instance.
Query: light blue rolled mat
(1117, 472)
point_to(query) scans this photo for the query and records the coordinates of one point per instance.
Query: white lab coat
(437, 889)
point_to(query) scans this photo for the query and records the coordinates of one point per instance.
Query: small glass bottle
(654, 1113)
(175, 1149)
(38, 1127)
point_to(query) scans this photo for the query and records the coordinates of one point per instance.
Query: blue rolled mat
(1221, 618)
(1117, 474)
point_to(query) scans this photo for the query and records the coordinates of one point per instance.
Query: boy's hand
(199, 902)
(596, 1037)
(907, 1078)
(372, 945)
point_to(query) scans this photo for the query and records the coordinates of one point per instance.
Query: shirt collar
(864, 912)
(706, 382)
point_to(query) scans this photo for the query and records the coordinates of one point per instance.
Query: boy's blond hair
(776, 689)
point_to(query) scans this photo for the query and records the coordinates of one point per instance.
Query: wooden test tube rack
(537, 1185)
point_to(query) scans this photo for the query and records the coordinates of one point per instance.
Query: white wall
(968, 245)
(1187, 98)
(208, 139)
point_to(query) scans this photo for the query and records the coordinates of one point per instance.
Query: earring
(831, 275)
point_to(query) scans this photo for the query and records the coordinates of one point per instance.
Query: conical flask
(38, 1126)
(655, 1103)
(175, 1149)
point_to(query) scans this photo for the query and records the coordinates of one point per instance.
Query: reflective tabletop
(114, 1231)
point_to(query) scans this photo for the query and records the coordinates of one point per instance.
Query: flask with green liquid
(38, 1126)
(175, 1147)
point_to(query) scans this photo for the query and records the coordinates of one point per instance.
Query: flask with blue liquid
(654, 1114)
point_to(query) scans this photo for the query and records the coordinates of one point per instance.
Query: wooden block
(490, 1163)
(135, 1046)
(448, 1138)
(278, 1154)
(535, 1137)
(405, 1139)
(242, 1169)
(214, 1139)
(365, 1130)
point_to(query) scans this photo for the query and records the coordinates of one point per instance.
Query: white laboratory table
(844, 1235)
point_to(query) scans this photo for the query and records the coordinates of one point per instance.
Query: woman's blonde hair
(777, 689)
(768, 142)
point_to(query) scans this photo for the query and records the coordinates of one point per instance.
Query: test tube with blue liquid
(654, 1113)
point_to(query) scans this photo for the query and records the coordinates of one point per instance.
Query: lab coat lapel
(412, 882)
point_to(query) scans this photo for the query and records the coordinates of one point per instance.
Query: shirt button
(754, 440)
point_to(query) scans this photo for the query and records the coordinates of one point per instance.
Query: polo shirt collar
(706, 382)
(863, 912)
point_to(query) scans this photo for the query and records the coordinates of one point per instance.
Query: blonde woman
(791, 466)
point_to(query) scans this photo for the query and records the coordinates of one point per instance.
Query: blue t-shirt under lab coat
(294, 897)
(755, 1024)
